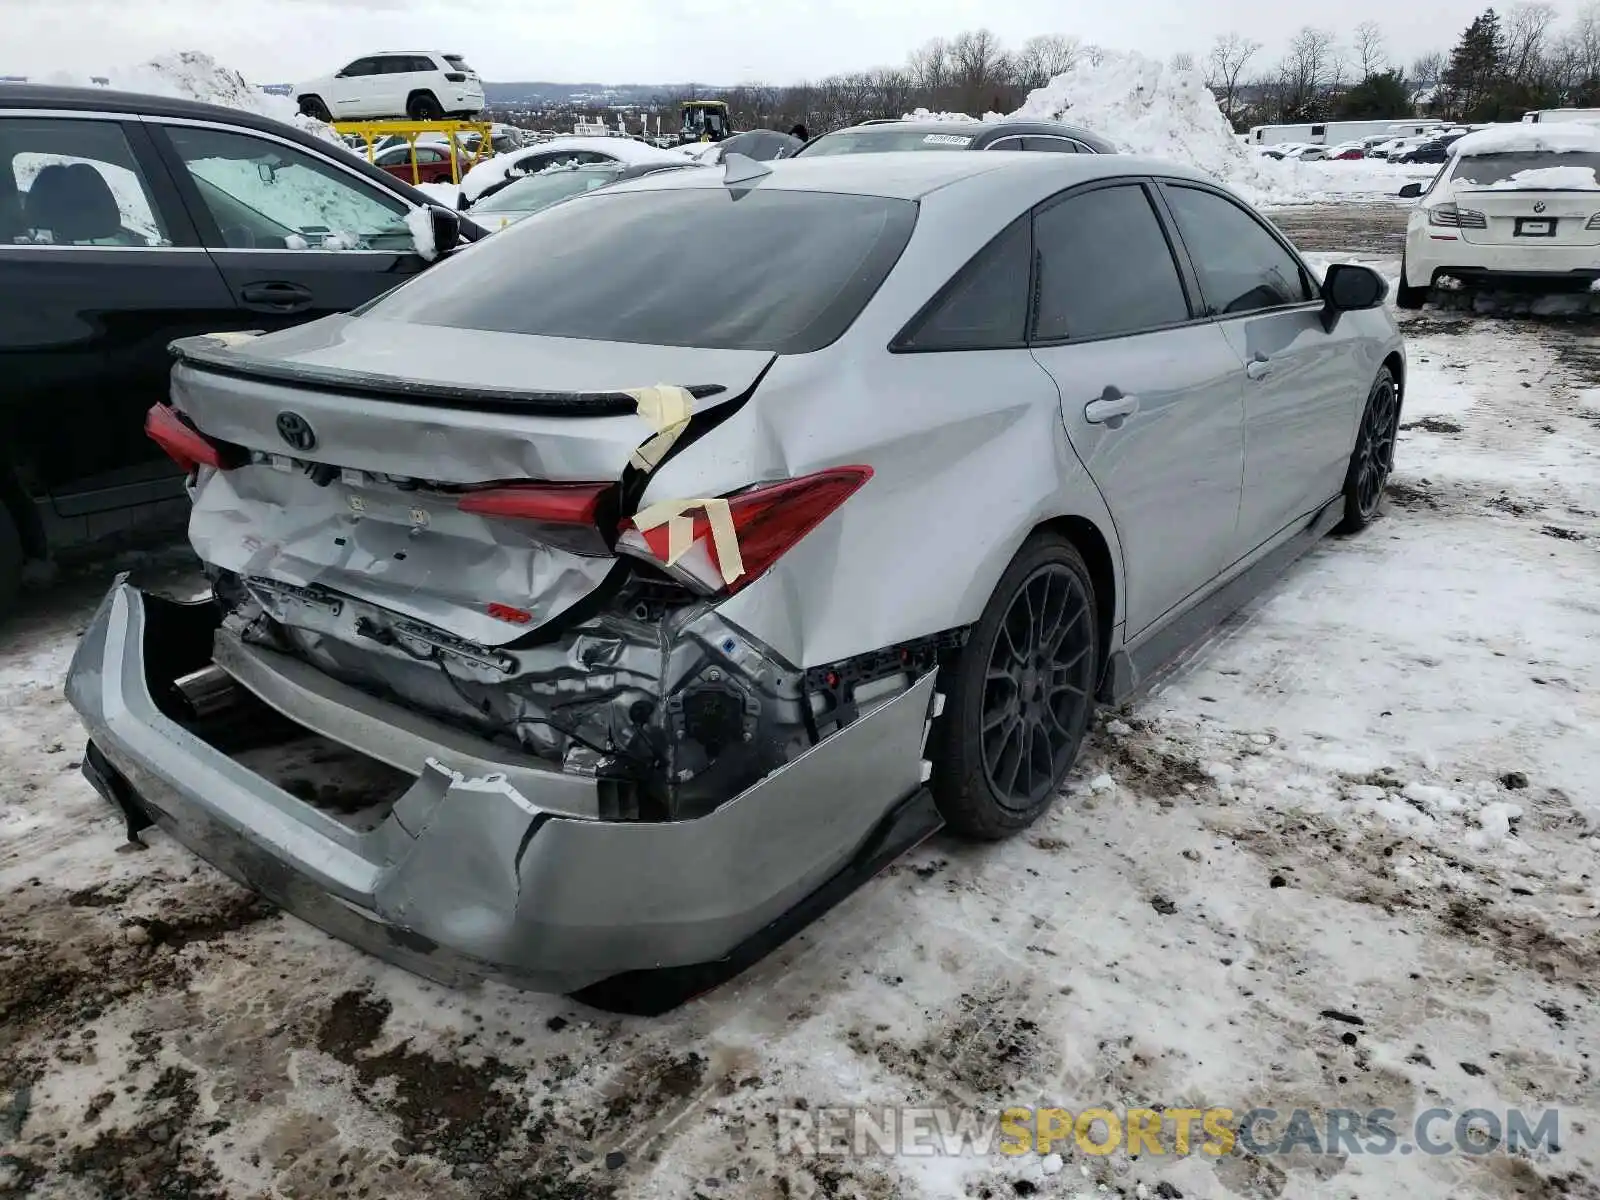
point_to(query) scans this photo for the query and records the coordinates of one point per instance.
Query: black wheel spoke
(1037, 687)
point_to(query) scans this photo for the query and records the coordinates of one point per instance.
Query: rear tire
(1373, 456)
(1020, 695)
(10, 563)
(1411, 298)
(423, 106)
(313, 107)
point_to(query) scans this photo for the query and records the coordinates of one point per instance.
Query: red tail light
(185, 444)
(769, 520)
(567, 515)
(555, 503)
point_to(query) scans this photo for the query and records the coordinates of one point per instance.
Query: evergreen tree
(1475, 69)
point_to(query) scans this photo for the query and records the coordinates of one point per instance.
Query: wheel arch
(1087, 539)
(1396, 363)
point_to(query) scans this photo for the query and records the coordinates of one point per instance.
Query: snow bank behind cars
(193, 75)
(1153, 110)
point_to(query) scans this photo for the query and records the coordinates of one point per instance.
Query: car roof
(911, 174)
(985, 132)
(100, 99)
(44, 97)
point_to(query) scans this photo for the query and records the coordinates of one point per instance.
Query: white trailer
(1544, 115)
(1332, 133)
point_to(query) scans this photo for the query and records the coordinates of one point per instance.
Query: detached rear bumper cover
(469, 877)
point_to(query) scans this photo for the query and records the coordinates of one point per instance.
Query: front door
(1301, 400)
(296, 235)
(1151, 396)
(100, 268)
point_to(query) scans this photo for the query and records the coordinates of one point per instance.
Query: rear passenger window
(1104, 267)
(73, 183)
(1242, 267)
(986, 306)
(1050, 145)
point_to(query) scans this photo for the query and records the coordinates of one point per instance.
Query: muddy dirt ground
(1373, 793)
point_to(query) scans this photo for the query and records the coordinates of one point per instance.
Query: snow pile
(1149, 109)
(192, 75)
(1530, 139)
(923, 114)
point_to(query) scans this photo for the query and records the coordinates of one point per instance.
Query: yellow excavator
(704, 121)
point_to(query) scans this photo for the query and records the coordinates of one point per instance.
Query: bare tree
(1526, 35)
(1043, 57)
(1182, 61)
(1427, 69)
(1225, 65)
(929, 67)
(1310, 68)
(1371, 53)
(980, 68)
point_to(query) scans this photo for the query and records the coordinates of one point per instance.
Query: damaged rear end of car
(463, 691)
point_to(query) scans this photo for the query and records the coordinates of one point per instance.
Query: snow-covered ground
(1345, 856)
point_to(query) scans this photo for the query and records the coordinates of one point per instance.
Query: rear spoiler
(216, 353)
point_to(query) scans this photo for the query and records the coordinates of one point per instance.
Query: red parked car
(433, 163)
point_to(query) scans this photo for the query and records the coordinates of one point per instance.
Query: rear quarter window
(781, 271)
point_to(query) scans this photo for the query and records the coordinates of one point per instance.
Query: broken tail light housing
(570, 516)
(186, 445)
(768, 521)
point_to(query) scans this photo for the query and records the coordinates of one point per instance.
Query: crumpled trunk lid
(362, 435)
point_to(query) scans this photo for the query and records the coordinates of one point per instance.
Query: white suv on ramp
(422, 86)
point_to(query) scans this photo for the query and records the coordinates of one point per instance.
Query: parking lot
(1343, 857)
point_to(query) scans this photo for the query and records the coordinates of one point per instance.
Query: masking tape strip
(667, 408)
(677, 516)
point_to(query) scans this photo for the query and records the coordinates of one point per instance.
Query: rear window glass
(881, 139)
(456, 61)
(785, 272)
(1530, 169)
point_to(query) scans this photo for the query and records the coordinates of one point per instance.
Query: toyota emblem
(297, 431)
(1538, 206)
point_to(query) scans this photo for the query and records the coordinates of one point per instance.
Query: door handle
(1111, 408)
(275, 297)
(1258, 368)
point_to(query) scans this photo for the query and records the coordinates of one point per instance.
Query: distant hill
(539, 94)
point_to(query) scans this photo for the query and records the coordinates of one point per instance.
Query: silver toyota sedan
(597, 608)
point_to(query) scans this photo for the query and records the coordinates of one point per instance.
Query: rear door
(1301, 400)
(100, 268)
(1151, 392)
(296, 235)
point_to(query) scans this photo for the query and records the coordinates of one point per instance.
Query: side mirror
(1349, 287)
(267, 172)
(447, 229)
(1411, 191)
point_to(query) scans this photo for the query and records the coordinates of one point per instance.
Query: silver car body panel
(363, 604)
(478, 876)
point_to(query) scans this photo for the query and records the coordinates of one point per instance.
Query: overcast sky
(658, 41)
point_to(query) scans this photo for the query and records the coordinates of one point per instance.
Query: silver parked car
(597, 608)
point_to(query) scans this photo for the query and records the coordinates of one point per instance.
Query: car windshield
(1529, 170)
(534, 192)
(784, 272)
(880, 139)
